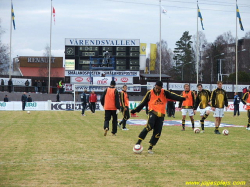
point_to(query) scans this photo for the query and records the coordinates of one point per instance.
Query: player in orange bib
(156, 99)
(124, 99)
(187, 106)
(246, 101)
(110, 102)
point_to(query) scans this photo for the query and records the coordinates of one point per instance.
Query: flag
(153, 54)
(13, 17)
(238, 16)
(54, 15)
(199, 16)
(143, 47)
(163, 10)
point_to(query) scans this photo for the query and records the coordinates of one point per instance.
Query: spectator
(2, 85)
(29, 99)
(60, 86)
(43, 86)
(24, 100)
(236, 104)
(92, 101)
(84, 100)
(27, 83)
(6, 99)
(106, 59)
(39, 85)
(10, 84)
(35, 85)
(58, 97)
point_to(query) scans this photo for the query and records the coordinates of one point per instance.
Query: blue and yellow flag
(199, 16)
(13, 16)
(238, 15)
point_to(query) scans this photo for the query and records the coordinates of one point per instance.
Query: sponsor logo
(88, 79)
(231, 107)
(137, 88)
(58, 106)
(78, 79)
(143, 48)
(158, 102)
(103, 81)
(124, 79)
(31, 104)
(3, 104)
(68, 87)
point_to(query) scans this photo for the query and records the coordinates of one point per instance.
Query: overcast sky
(119, 19)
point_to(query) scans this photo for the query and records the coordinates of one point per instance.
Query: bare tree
(4, 54)
(202, 45)
(247, 35)
(166, 58)
(44, 67)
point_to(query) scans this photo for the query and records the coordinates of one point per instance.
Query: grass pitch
(66, 149)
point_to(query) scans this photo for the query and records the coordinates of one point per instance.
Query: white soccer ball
(196, 130)
(28, 112)
(225, 132)
(137, 149)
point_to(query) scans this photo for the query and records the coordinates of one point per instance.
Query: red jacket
(92, 98)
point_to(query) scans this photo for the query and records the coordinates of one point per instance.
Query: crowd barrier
(68, 106)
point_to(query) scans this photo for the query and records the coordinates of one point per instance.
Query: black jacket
(29, 99)
(10, 83)
(24, 98)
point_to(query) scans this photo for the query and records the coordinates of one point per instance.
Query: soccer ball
(225, 132)
(137, 149)
(196, 130)
(28, 112)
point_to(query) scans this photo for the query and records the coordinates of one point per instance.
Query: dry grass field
(66, 149)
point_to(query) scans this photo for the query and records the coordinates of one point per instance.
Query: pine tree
(184, 57)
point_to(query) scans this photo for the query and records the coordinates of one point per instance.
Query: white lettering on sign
(99, 73)
(40, 60)
(101, 42)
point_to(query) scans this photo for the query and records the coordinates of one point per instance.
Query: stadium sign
(16, 81)
(2, 104)
(123, 80)
(99, 73)
(101, 42)
(80, 80)
(31, 104)
(102, 80)
(102, 88)
(71, 106)
(40, 60)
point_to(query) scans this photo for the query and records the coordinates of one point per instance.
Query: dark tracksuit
(84, 99)
(155, 121)
(24, 100)
(236, 105)
(112, 112)
(171, 108)
(124, 104)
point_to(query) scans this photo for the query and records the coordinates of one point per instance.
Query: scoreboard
(124, 53)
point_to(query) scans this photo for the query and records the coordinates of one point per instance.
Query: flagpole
(10, 37)
(50, 48)
(160, 40)
(197, 49)
(236, 52)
